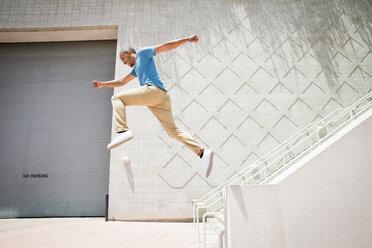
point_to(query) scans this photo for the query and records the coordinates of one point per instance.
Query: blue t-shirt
(145, 69)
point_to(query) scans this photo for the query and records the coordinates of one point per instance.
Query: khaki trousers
(159, 103)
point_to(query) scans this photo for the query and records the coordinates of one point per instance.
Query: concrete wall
(325, 202)
(261, 71)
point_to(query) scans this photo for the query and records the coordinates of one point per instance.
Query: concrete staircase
(210, 215)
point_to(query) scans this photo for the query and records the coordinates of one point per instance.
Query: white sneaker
(120, 138)
(207, 162)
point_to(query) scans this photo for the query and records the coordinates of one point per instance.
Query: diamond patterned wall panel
(261, 71)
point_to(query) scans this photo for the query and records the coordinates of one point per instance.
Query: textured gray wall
(260, 72)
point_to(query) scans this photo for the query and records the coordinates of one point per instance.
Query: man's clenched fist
(96, 84)
(194, 38)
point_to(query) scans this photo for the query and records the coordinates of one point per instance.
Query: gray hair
(131, 49)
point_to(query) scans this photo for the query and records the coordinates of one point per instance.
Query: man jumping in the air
(153, 94)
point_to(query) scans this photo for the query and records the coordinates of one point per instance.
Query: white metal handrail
(218, 192)
(212, 215)
(347, 112)
(316, 143)
(271, 153)
(200, 203)
(203, 202)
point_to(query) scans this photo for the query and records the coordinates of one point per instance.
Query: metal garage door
(54, 128)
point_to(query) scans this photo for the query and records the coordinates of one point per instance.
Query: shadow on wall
(321, 27)
(289, 29)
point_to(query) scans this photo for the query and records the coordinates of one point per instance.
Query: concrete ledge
(58, 34)
(324, 203)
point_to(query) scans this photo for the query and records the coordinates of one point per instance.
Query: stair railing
(217, 195)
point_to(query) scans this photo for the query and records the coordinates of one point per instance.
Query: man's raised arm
(174, 44)
(113, 83)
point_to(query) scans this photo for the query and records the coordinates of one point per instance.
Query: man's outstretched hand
(96, 84)
(194, 38)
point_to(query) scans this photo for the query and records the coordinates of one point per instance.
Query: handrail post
(197, 222)
(351, 114)
(220, 238)
(193, 214)
(205, 215)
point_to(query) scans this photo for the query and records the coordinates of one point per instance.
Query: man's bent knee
(114, 97)
(171, 133)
